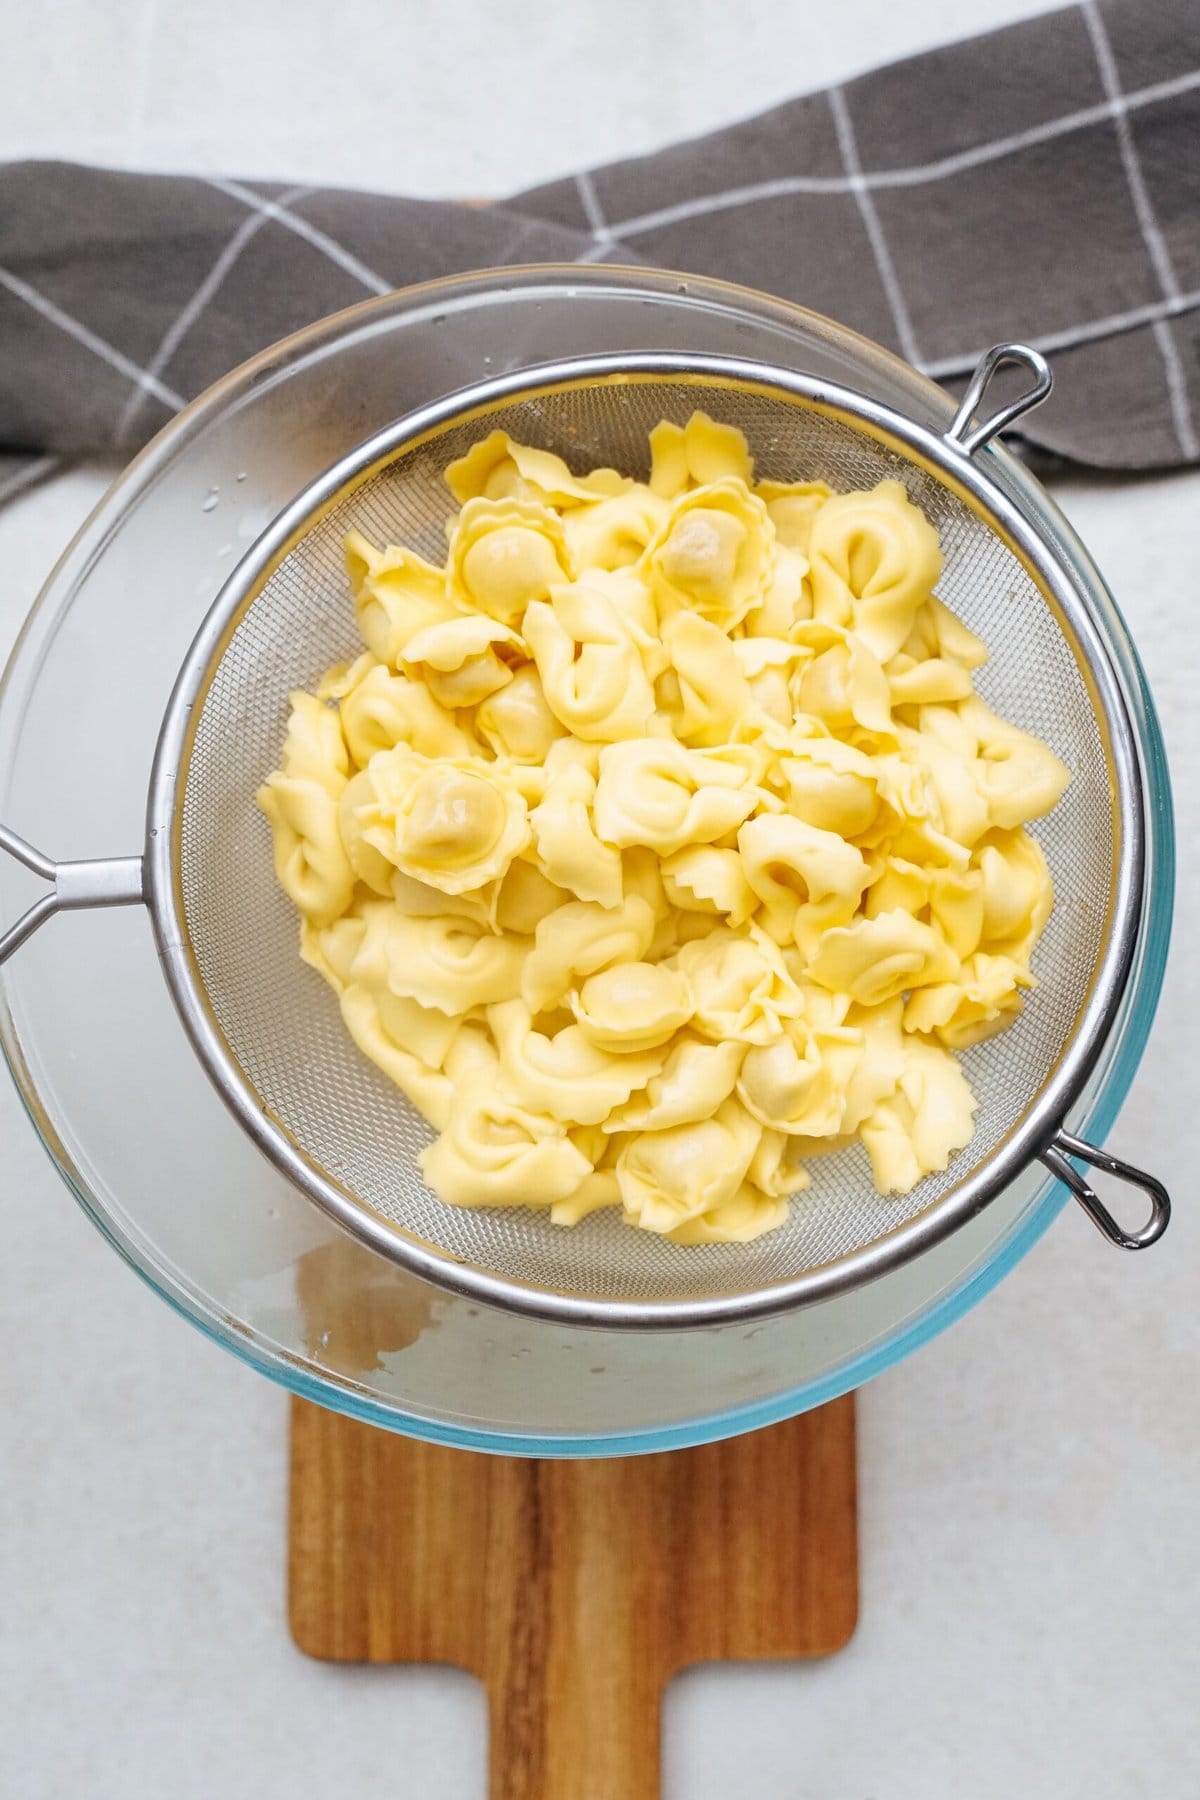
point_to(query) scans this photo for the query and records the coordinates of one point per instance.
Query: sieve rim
(965, 471)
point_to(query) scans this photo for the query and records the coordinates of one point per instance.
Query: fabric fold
(1037, 182)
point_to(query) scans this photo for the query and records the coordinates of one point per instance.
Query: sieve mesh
(280, 1021)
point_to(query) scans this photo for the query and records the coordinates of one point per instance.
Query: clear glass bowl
(89, 1031)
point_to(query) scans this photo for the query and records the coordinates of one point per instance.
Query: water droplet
(225, 550)
(241, 474)
(208, 504)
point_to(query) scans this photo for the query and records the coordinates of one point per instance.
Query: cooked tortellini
(712, 556)
(301, 800)
(453, 824)
(588, 664)
(659, 841)
(503, 554)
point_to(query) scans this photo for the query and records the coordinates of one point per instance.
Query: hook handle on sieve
(971, 437)
(106, 881)
(1056, 1159)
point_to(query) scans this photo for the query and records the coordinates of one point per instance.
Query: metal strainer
(269, 1031)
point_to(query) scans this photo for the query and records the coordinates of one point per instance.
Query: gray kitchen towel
(1041, 182)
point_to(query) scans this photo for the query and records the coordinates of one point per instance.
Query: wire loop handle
(1056, 1157)
(971, 438)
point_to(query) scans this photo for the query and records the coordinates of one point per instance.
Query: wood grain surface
(573, 1590)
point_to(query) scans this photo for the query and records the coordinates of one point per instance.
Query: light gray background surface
(1029, 1481)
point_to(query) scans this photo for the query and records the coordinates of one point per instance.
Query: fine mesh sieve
(269, 1029)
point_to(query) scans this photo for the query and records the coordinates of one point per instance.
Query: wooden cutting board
(573, 1590)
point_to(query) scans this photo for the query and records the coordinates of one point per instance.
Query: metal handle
(971, 438)
(106, 881)
(1055, 1159)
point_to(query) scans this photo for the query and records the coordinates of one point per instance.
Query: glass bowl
(88, 1029)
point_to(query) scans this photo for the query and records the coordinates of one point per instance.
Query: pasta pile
(659, 841)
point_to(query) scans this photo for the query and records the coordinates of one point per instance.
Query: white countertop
(1030, 1575)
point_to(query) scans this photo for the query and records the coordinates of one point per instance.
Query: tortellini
(659, 842)
(705, 880)
(498, 468)
(580, 939)
(692, 1083)
(654, 792)
(495, 1152)
(741, 988)
(632, 1006)
(796, 1084)
(673, 1177)
(568, 847)
(463, 660)
(503, 554)
(453, 824)
(396, 592)
(566, 1074)
(588, 664)
(382, 710)
(807, 879)
(449, 963)
(614, 532)
(301, 801)
(874, 559)
(713, 555)
(516, 721)
(709, 694)
(692, 455)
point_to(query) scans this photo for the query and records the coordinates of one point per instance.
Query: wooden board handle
(575, 1652)
(571, 1737)
(573, 1590)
